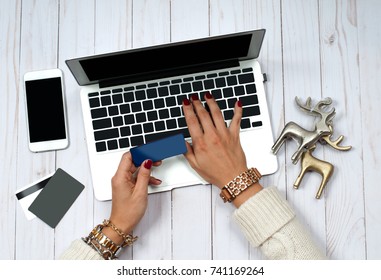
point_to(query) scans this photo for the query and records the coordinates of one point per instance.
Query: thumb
(144, 175)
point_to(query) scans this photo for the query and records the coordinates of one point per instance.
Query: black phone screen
(45, 109)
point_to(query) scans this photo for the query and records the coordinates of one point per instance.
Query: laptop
(135, 96)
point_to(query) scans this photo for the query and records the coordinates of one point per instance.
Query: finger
(143, 177)
(215, 112)
(203, 115)
(157, 163)
(154, 181)
(189, 155)
(125, 164)
(191, 120)
(235, 124)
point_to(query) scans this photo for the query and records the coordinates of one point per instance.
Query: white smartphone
(45, 110)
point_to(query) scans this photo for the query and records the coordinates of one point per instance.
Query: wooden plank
(76, 38)
(150, 26)
(369, 33)
(228, 242)
(191, 206)
(9, 107)
(267, 14)
(340, 79)
(113, 32)
(39, 34)
(301, 66)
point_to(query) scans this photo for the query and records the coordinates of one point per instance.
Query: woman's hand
(216, 153)
(129, 195)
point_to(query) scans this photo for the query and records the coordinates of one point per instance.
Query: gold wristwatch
(240, 183)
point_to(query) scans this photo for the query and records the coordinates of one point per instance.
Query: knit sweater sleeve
(79, 250)
(268, 222)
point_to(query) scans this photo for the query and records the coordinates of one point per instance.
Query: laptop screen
(94, 69)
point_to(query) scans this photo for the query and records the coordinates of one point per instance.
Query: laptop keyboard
(131, 116)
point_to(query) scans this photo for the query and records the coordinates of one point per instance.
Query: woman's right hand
(216, 153)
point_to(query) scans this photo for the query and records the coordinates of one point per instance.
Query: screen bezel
(46, 145)
(253, 52)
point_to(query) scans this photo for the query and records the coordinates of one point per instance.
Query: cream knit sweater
(266, 220)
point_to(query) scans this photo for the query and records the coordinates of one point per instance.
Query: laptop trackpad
(175, 172)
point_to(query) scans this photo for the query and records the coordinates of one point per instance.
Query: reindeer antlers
(318, 111)
(334, 144)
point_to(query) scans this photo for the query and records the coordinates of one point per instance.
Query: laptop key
(113, 111)
(185, 88)
(256, 124)
(174, 89)
(137, 140)
(125, 109)
(124, 143)
(128, 96)
(163, 91)
(125, 131)
(159, 125)
(246, 78)
(100, 146)
(220, 82)
(94, 102)
(152, 115)
(129, 119)
(171, 124)
(141, 117)
(106, 100)
(170, 101)
(101, 124)
(112, 144)
(117, 98)
(239, 90)
(231, 80)
(147, 105)
(148, 127)
(250, 88)
(106, 134)
(249, 100)
(136, 129)
(197, 86)
(250, 111)
(175, 112)
(245, 123)
(151, 93)
(208, 84)
(136, 107)
(140, 95)
(98, 113)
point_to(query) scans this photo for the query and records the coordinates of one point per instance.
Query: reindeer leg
(326, 172)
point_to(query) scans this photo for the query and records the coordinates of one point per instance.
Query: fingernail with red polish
(194, 97)
(208, 95)
(186, 102)
(239, 103)
(148, 164)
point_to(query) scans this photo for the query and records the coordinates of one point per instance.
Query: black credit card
(56, 198)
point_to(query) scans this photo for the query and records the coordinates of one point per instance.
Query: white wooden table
(314, 48)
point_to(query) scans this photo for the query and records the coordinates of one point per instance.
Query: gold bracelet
(128, 239)
(102, 244)
(240, 183)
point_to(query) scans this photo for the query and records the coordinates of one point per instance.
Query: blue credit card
(159, 149)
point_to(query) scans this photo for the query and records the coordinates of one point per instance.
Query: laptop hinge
(168, 73)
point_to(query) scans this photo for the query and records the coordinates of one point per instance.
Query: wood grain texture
(302, 78)
(314, 48)
(340, 80)
(369, 42)
(9, 109)
(151, 26)
(75, 39)
(191, 206)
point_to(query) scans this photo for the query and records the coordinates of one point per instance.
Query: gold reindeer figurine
(324, 168)
(311, 163)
